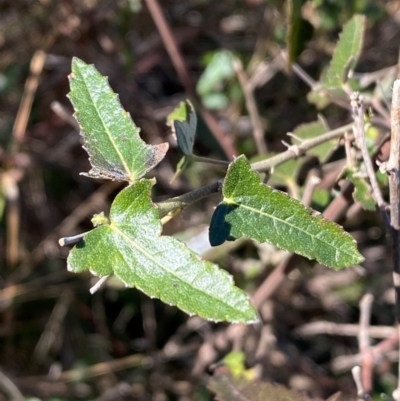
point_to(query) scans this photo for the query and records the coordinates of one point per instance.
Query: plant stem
(393, 167)
(297, 150)
(184, 200)
(358, 111)
(304, 76)
(179, 202)
(201, 159)
(251, 105)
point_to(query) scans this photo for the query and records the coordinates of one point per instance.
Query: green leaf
(162, 267)
(180, 113)
(235, 362)
(319, 97)
(346, 53)
(285, 173)
(313, 130)
(362, 190)
(299, 33)
(218, 69)
(320, 199)
(215, 101)
(111, 138)
(344, 59)
(184, 121)
(254, 210)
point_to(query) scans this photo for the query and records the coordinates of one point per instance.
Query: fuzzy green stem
(184, 200)
(201, 159)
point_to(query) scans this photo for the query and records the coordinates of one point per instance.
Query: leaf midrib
(233, 202)
(147, 254)
(124, 163)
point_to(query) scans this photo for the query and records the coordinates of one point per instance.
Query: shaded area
(220, 228)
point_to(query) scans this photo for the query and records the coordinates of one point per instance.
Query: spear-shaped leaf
(112, 140)
(344, 59)
(362, 190)
(313, 130)
(346, 53)
(131, 247)
(254, 210)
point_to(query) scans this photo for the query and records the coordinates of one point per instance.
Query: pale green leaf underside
(162, 267)
(362, 190)
(346, 53)
(112, 140)
(219, 68)
(285, 173)
(254, 210)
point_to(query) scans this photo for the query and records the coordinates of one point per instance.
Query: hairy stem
(358, 111)
(184, 200)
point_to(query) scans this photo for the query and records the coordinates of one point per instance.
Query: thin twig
(18, 132)
(315, 86)
(312, 182)
(97, 369)
(258, 130)
(24, 111)
(69, 224)
(383, 350)
(201, 159)
(264, 165)
(339, 329)
(365, 316)
(358, 111)
(363, 340)
(53, 329)
(10, 388)
(62, 112)
(348, 148)
(306, 145)
(393, 167)
(184, 200)
(304, 76)
(11, 192)
(98, 284)
(362, 394)
(170, 44)
(265, 71)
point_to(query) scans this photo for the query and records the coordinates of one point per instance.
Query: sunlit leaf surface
(112, 140)
(254, 210)
(131, 247)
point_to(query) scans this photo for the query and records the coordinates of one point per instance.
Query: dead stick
(21, 120)
(258, 130)
(18, 132)
(367, 361)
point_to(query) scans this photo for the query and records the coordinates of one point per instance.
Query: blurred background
(58, 342)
